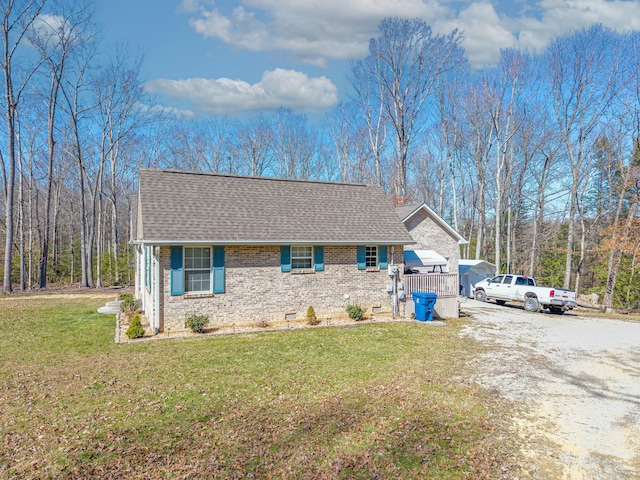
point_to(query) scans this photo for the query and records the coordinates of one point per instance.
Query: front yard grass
(385, 400)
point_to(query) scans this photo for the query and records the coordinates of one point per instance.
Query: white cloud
(278, 88)
(316, 31)
(485, 33)
(312, 31)
(47, 24)
(241, 30)
(561, 16)
(163, 110)
(49, 31)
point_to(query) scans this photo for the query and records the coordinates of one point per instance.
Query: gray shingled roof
(182, 207)
(404, 211)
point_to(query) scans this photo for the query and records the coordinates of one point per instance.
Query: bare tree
(448, 128)
(118, 92)
(294, 146)
(625, 198)
(17, 22)
(56, 37)
(368, 98)
(199, 145)
(254, 145)
(404, 65)
(478, 142)
(507, 114)
(74, 90)
(583, 78)
(340, 127)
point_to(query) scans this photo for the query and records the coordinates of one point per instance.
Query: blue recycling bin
(424, 305)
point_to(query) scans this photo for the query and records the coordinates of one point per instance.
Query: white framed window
(371, 256)
(197, 269)
(301, 257)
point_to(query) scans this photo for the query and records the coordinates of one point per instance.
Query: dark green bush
(197, 322)
(311, 316)
(135, 329)
(356, 312)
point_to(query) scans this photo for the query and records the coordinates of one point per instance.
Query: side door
(521, 286)
(502, 290)
(505, 288)
(493, 287)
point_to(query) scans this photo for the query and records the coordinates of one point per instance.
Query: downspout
(156, 275)
(394, 294)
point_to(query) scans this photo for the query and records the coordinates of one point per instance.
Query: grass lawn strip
(376, 401)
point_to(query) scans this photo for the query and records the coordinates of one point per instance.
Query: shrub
(128, 304)
(197, 322)
(135, 329)
(356, 312)
(311, 316)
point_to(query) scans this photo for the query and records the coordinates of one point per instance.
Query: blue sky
(234, 57)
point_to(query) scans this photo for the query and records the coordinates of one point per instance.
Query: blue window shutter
(218, 269)
(382, 256)
(177, 272)
(285, 258)
(318, 258)
(362, 257)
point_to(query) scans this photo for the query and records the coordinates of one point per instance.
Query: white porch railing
(442, 284)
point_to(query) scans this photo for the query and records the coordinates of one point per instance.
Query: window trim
(368, 256)
(310, 258)
(186, 270)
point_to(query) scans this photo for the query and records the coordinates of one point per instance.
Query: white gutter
(271, 242)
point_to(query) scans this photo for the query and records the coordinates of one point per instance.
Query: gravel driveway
(576, 381)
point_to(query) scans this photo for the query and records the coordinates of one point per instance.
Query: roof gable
(405, 212)
(188, 207)
(467, 265)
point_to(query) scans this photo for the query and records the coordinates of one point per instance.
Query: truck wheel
(556, 310)
(501, 302)
(481, 295)
(531, 304)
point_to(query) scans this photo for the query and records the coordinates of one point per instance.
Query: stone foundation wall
(256, 290)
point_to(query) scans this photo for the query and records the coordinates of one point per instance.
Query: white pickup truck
(507, 288)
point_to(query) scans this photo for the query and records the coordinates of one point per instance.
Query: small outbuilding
(472, 272)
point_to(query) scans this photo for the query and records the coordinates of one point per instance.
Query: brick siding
(431, 236)
(256, 290)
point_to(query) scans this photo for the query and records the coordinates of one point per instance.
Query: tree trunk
(568, 267)
(31, 215)
(616, 256)
(21, 215)
(583, 247)
(9, 189)
(47, 208)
